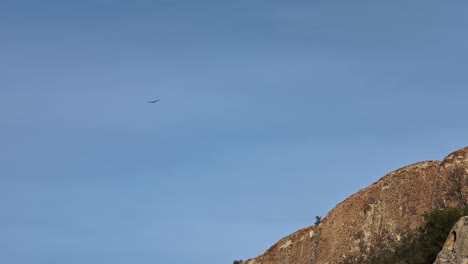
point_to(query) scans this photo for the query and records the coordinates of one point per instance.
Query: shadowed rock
(455, 250)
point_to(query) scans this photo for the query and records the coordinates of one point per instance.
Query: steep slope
(455, 250)
(375, 218)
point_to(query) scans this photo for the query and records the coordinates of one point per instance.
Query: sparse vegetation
(318, 220)
(237, 261)
(423, 247)
(419, 248)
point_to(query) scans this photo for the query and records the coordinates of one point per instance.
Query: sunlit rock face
(377, 217)
(455, 250)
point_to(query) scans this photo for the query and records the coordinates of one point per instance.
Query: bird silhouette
(152, 102)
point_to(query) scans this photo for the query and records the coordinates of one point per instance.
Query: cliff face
(376, 216)
(455, 250)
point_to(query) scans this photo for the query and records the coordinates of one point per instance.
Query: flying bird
(152, 102)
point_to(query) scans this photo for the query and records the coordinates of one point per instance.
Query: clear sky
(271, 112)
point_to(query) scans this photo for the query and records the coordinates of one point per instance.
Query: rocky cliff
(455, 250)
(377, 217)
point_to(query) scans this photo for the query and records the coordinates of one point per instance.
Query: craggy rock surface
(376, 216)
(455, 250)
(292, 249)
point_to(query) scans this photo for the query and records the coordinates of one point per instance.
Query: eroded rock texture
(377, 216)
(455, 250)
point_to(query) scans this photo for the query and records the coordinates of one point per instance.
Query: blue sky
(270, 113)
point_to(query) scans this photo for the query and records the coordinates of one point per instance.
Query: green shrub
(423, 247)
(420, 247)
(318, 220)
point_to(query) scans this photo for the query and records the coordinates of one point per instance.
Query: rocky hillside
(455, 250)
(377, 217)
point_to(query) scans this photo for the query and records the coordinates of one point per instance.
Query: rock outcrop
(377, 217)
(455, 250)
